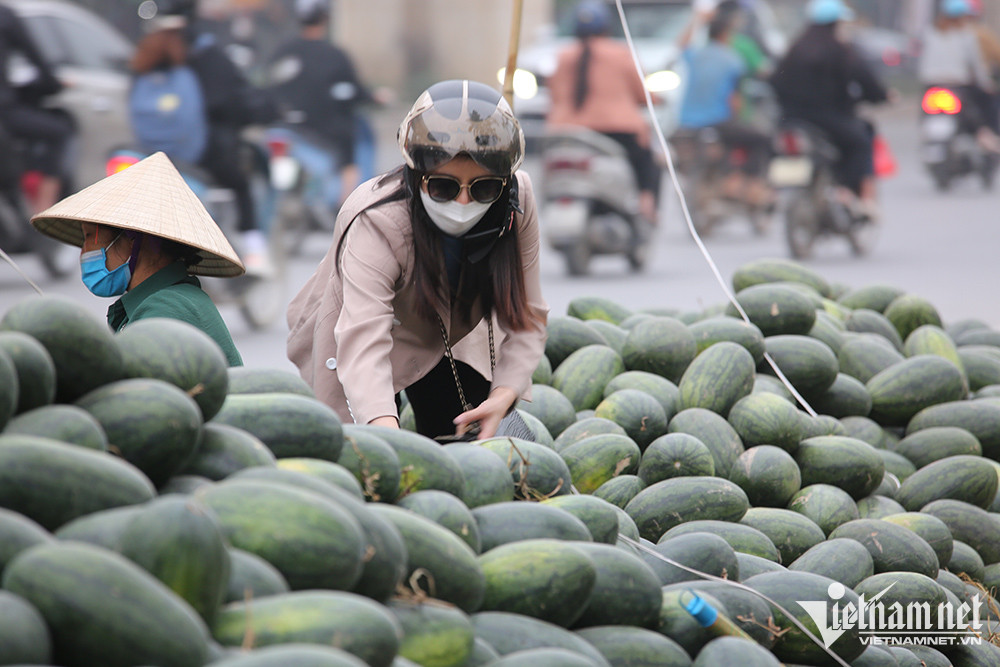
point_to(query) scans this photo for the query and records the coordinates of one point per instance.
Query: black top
(821, 74)
(318, 82)
(229, 98)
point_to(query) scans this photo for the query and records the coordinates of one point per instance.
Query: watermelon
(734, 650)
(551, 407)
(675, 455)
(828, 506)
(542, 578)
(904, 389)
(289, 424)
(544, 657)
(248, 380)
(762, 271)
(982, 367)
(599, 516)
(966, 560)
(613, 334)
(969, 524)
(775, 309)
(660, 388)
(862, 320)
(635, 647)
(374, 463)
(620, 490)
(864, 356)
(543, 371)
(934, 443)
(346, 621)
(582, 376)
(971, 479)
(851, 464)
(678, 624)
(764, 418)
(311, 539)
(931, 529)
(252, 577)
(292, 655)
(930, 339)
(660, 345)
(433, 634)
(493, 481)
(102, 609)
(871, 297)
(53, 483)
(626, 590)
(536, 470)
(438, 561)
(34, 371)
(742, 538)
(512, 633)
(841, 559)
(865, 429)
(65, 327)
(714, 330)
(713, 430)
(751, 565)
(66, 423)
(330, 472)
(901, 589)
(503, 523)
(18, 533)
(585, 428)
(597, 308)
(703, 552)
(828, 330)
(594, 460)
(661, 506)
(637, 412)
(224, 450)
(791, 533)
(846, 397)
(445, 510)
(24, 637)
(893, 548)
(566, 335)
(809, 364)
(179, 353)
(907, 312)
(980, 418)
(717, 378)
(768, 475)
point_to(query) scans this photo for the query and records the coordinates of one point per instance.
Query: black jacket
(229, 98)
(15, 38)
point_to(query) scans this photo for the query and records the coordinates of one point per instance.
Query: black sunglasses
(485, 189)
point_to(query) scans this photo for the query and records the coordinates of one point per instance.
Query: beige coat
(355, 335)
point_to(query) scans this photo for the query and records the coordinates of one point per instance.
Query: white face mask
(451, 217)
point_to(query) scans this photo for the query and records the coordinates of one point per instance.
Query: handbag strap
(451, 357)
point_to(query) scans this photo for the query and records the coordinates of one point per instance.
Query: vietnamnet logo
(895, 624)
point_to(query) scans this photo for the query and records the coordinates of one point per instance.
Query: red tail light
(791, 143)
(278, 146)
(941, 100)
(568, 165)
(119, 163)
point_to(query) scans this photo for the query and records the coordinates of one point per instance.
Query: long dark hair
(582, 70)
(498, 279)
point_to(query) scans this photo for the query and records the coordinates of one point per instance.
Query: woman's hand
(387, 421)
(488, 413)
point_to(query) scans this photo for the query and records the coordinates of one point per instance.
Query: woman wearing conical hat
(144, 236)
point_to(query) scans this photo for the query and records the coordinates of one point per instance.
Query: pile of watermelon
(157, 508)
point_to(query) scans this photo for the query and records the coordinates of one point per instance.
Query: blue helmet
(829, 11)
(956, 8)
(592, 18)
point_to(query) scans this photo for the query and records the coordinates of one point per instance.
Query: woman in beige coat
(433, 263)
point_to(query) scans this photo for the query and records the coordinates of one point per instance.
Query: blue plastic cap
(702, 611)
(956, 8)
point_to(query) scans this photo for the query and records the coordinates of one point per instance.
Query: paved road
(944, 247)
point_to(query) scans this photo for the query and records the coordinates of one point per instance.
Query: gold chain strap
(451, 357)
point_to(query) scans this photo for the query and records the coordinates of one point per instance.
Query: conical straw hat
(151, 197)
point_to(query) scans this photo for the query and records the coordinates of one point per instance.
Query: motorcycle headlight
(525, 83)
(662, 81)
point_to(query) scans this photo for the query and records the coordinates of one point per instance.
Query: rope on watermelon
(687, 213)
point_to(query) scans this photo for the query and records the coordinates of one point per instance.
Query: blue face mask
(100, 280)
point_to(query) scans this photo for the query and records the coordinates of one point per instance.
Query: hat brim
(149, 197)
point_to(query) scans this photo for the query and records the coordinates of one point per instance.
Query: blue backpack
(167, 111)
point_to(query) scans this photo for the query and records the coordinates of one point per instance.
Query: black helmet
(461, 116)
(311, 12)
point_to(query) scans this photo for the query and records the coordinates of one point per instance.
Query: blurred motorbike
(591, 200)
(812, 201)
(261, 299)
(306, 177)
(949, 146)
(18, 184)
(713, 182)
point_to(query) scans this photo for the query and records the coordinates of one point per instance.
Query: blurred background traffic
(400, 46)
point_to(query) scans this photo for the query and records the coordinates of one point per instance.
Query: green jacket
(171, 292)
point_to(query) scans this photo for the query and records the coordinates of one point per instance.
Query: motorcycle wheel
(801, 226)
(578, 259)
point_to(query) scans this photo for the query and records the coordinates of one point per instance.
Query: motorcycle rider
(595, 85)
(951, 57)
(231, 103)
(317, 82)
(20, 112)
(820, 80)
(712, 99)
